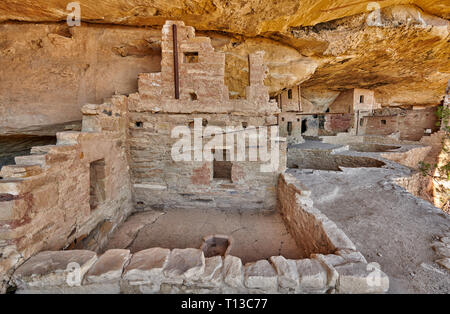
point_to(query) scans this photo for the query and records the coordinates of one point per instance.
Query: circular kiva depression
(372, 148)
(324, 160)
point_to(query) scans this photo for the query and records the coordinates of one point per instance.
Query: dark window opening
(244, 125)
(282, 119)
(383, 121)
(193, 96)
(304, 126)
(361, 99)
(290, 94)
(204, 122)
(322, 122)
(191, 57)
(221, 168)
(328, 110)
(139, 124)
(289, 128)
(97, 183)
(298, 120)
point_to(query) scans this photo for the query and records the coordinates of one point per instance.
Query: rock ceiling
(328, 46)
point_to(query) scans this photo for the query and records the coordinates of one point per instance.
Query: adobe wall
(379, 125)
(343, 103)
(354, 100)
(335, 123)
(55, 196)
(292, 103)
(368, 102)
(290, 127)
(411, 124)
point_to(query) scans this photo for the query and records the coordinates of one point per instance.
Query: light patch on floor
(257, 234)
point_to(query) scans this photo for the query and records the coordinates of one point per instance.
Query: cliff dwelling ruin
(171, 155)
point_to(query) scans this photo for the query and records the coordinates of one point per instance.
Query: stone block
(444, 262)
(212, 276)
(108, 267)
(312, 276)
(97, 288)
(351, 256)
(329, 261)
(261, 275)
(185, 263)
(146, 266)
(444, 251)
(361, 278)
(287, 272)
(67, 138)
(31, 160)
(54, 268)
(232, 271)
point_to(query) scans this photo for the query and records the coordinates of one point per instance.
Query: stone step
(67, 138)
(41, 150)
(31, 160)
(20, 171)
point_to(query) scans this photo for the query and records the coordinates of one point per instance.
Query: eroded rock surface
(327, 46)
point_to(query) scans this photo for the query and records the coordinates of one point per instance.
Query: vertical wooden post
(357, 122)
(175, 62)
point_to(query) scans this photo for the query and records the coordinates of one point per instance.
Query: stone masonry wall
(290, 125)
(46, 199)
(333, 266)
(312, 231)
(335, 123)
(159, 181)
(411, 124)
(159, 270)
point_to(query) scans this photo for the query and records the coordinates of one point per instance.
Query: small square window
(383, 121)
(221, 168)
(139, 124)
(191, 57)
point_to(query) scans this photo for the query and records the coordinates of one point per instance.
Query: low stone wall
(320, 159)
(49, 200)
(312, 231)
(159, 270)
(410, 157)
(334, 265)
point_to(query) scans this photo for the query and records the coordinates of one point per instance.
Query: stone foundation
(56, 196)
